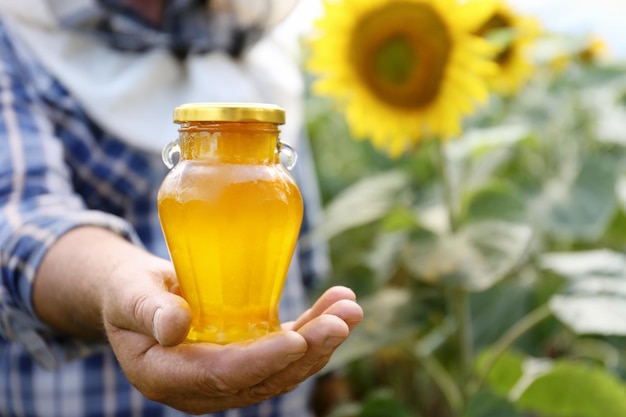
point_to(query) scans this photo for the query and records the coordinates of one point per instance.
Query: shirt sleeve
(313, 257)
(37, 206)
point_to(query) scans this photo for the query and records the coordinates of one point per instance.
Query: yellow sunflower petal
(475, 12)
(514, 66)
(401, 69)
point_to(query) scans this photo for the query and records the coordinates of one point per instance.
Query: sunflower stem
(461, 308)
(506, 341)
(447, 188)
(459, 303)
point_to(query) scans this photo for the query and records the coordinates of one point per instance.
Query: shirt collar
(74, 13)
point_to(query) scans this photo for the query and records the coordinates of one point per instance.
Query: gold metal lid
(229, 112)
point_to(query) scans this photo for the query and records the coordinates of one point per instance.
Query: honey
(231, 215)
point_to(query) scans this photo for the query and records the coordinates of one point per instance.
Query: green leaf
(584, 265)
(594, 301)
(584, 208)
(602, 351)
(364, 202)
(481, 152)
(487, 404)
(476, 258)
(620, 189)
(479, 143)
(383, 404)
(384, 258)
(503, 373)
(384, 323)
(498, 200)
(589, 314)
(606, 105)
(571, 389)
(400, 218)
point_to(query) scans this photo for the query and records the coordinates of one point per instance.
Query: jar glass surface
(231, 215)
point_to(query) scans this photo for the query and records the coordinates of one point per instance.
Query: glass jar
(231, 214)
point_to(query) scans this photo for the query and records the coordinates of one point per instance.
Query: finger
(330, 297)
(146, 305)
(318, 353)
(323, 335)
(347, 310)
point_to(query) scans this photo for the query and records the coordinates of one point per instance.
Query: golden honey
(231, 214)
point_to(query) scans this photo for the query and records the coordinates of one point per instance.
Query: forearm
(75, 276)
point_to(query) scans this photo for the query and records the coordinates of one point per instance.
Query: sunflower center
(500, 31)
(400, 51)
(395, 60)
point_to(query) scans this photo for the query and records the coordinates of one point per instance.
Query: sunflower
(402, 70)
(589, 51)
(594, 50)
(512, 34)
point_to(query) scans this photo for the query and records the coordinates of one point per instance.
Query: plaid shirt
(59, 170)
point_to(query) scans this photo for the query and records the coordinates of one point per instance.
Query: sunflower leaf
(364, 202)
(574, 389)
(476, 258)
(591, 314)
(487, 404)
(594, 300)
(497, 200)
(503, 373)
(583, 209)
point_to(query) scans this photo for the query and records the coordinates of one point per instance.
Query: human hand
(146, 322)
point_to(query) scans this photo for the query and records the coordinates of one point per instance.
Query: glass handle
(168, 153)
(290, 154)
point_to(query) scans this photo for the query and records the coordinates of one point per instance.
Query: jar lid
(229, 112)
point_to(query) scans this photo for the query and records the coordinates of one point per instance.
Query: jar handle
(168, 153)
(290, 153)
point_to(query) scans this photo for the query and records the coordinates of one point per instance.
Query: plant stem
(459, 300)
(508, 338)
(444, 381)
(423, 351)
(446, 188)
(462, 316)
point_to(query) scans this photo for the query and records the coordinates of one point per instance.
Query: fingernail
(155, 324)
(293, 357)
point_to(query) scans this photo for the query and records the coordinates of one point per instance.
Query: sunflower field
(473, 172)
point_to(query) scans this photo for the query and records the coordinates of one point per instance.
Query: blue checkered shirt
(60, 170)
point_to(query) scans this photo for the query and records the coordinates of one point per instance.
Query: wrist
(74, 277)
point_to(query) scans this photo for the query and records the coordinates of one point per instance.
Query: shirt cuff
(27, 248)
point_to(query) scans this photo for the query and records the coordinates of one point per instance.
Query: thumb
(166, 317)
(145, 304)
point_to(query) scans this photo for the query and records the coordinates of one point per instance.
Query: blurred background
(602, 17)
(485, 242)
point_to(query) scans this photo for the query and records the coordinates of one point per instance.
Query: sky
(604, 18)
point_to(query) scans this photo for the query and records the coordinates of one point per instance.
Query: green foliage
(582, 209)
(475, 258)
(594, 302)
(499, 200)
(508, 241)
(574, 389)
(561, 388)
(487, 404)
(503, 373)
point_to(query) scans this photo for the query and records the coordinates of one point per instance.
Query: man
(91, 323)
